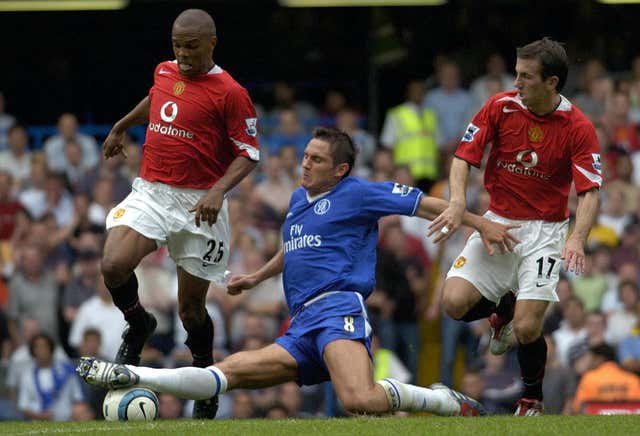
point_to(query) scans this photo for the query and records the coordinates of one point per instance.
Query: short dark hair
(341, 146)
(552, 58)
(604, 350)
(48, 339)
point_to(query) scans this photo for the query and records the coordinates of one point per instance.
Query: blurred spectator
(334, 103)
(621, 321)
(114, 170)
(496, 70)
(621, 130)
(387, 364)
(17, 158)
(6, 121)
(83, 285)
(629, 249)
(284, 97)
(54, 147)
(11, 211)
(103, 201)
(99, 313)
(605, 380)
(401, 275)
(614, 213)
(452, 104)
(48, 196)
(276, 189)
(347, 121)
(242, 407)
(559, 383)
(74, 169)
(554, 312)
(593, 101)
(48, 390)
(91, 346)
(21, 359)
(33, 294)
(502, 385)
(289, 163)
(33, 193)
(289, 131)
(170, 407)
(624, 183)
(591, 285)
(276, 411)
(572, 329)
(411, 131)
(383, 166)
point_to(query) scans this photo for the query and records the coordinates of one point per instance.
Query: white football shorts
(161, 212)
(532, 270)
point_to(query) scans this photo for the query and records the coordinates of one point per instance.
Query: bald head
(195, 21)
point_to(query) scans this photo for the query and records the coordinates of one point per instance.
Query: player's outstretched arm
(114, 142)
(491, 232)
(237, 284)
(450, 218)
(573, 251)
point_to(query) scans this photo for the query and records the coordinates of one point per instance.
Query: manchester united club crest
(118, 213)
(179, 87)
(535, 134)
(459, 263)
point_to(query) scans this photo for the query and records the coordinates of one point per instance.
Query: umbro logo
(506, 110)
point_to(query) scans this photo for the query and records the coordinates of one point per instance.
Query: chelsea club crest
(322, 206)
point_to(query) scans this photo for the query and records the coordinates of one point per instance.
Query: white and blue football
(130, 404)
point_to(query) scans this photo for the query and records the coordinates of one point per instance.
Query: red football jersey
(533, 159)
(197, 127)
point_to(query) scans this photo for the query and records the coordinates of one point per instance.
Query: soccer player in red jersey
(201, 141)
(540, 143)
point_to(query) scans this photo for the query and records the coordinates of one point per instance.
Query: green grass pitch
(494, 426)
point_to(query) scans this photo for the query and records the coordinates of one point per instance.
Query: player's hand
(237, 284)
(492, 233)
(207, 208)
(573, 255)
(114, 144)
(446, 223)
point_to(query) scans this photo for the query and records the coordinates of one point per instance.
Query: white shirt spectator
(566, 337)
(54, 148)
(619, 325)
(21, 360)
(103, 316)
(35, 380)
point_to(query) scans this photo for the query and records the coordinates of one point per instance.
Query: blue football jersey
(330, 241)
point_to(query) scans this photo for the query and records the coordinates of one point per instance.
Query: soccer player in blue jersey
(328, 264)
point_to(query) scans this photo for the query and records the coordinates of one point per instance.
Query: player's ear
(553, 81)
(341, 170)
(214, 41)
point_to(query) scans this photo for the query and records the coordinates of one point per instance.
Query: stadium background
(97, 65)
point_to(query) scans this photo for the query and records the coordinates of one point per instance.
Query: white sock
(189, 382)
(411, 398)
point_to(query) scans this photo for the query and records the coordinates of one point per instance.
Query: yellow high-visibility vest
(382, 363)
(416, 141)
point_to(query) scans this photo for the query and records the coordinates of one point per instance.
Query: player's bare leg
(532, 353)
(123, 251)
(352, 376)
(192, 294)
(266, 367)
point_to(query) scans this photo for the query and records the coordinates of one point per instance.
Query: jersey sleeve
(585, 159)
(379, 199)
(242, 123)
(479, 133)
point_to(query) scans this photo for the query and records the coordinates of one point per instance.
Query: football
(130, 404)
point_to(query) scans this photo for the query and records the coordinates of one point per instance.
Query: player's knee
(453, 305)
(114, 270)
(527, 330)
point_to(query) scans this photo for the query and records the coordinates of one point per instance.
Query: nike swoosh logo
(539, 285)
(163, 71)
(142, 408)
(508, 111)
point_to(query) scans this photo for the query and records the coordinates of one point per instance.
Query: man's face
(531, 88)
(193, 50)
(318, 172)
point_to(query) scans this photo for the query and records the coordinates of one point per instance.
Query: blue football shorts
(326, 318)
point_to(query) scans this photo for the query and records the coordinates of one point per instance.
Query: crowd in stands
(54, 306)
